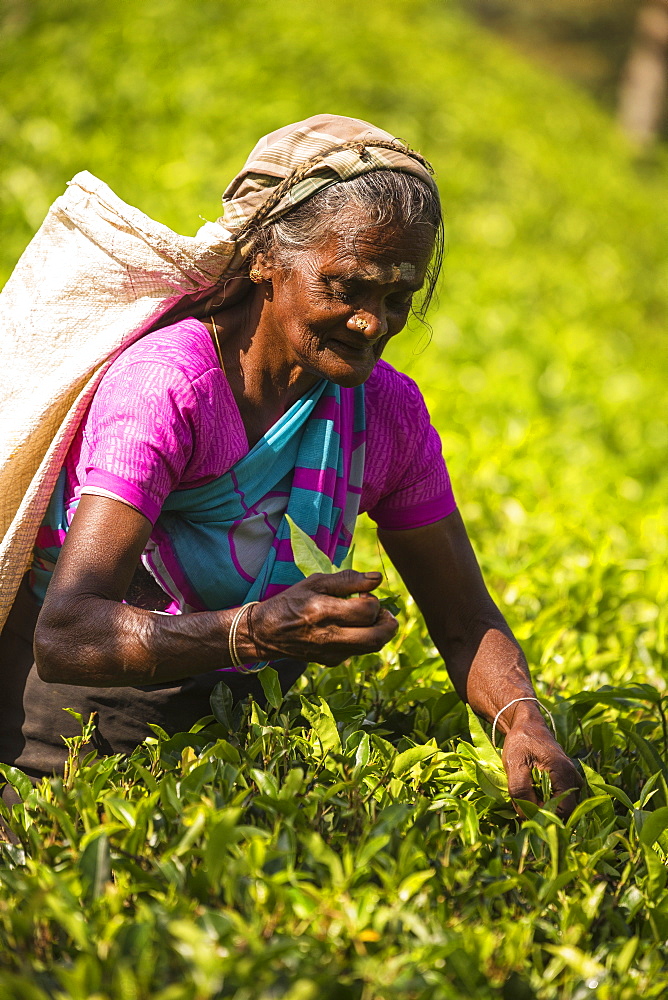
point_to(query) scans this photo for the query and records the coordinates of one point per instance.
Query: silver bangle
(514, 702)
(232, 636)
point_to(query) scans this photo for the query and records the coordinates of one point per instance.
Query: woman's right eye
(401, 301)
(338, 291)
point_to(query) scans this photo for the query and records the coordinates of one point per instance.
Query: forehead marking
(406, 272)
(391, 272)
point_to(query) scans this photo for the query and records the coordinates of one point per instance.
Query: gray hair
(385, 197)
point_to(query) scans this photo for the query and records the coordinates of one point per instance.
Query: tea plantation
(353, 840)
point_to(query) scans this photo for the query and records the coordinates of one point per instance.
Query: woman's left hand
(485, 662)
(529, 743)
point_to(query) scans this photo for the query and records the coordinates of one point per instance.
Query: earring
(255, 275)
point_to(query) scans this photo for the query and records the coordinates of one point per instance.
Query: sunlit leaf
(322, 722)
(407, 760)
(654, 824)
(363, 751)
(347, 562)
(17, 779)
(486, 752)
(306, 554)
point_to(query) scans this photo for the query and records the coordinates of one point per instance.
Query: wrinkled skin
(301, 322)
(312, 312)
(321, 618)
(297, 325)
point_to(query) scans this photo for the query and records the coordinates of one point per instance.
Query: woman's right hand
(318, 620)
(86, 635)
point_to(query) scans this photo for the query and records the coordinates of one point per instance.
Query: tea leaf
(347, 562)
(95, 865)
(322, 722)
(271, 686)
(391, 604)
(17, 779)
(307, 556)
(481, 741)
(654, 825)
(405, 761)
(222, 703)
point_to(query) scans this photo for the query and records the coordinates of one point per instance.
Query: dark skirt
(34, 722)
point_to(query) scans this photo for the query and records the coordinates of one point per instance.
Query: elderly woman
(271, 398)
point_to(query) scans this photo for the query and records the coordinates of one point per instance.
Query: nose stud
(361, 324)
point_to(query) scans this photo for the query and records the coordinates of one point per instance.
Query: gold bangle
(232, 636)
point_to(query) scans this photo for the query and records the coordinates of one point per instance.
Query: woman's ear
(264, 267)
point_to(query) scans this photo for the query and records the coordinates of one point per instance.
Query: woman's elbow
(58, 659)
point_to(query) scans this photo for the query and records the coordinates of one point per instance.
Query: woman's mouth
(351, 348)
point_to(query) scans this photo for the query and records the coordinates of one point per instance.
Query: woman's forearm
(484, 660)
(85, 634)
(102, 643)
(487, 667)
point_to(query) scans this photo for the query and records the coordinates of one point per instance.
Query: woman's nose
(372, 323)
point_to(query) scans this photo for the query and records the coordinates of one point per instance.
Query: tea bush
(354, 839)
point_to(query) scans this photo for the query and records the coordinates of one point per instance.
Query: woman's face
(333, 313)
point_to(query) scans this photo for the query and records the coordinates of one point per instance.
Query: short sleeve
(406, 481)
(139, 435)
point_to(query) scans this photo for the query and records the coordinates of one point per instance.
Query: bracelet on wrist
(514, 702)
(232, 635)
(237, 663)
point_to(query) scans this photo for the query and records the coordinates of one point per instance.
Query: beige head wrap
(291, 164)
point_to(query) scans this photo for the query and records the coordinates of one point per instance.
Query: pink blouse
(164, 418)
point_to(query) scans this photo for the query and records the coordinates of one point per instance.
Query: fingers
(522, 752)
(345, 583)
(520, 782)
(311, 625)
(373, 638)
(356, 612)
(331, 600)
(344, 642)
(565, 778)
(324, 619)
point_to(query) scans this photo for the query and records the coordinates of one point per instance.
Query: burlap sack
(97, 275)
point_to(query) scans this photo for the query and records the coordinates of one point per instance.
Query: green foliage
(310, 559)
(306, 554)
(355, 840)
(351, 842)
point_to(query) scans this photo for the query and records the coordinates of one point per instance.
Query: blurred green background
(546, 369)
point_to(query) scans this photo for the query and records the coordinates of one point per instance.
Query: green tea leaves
(306, 554)
(391, 603)
(17, 779)
(221, 704)
(271, 686)
(322, 722)
(95, 864)
(653, 826)
(406, 761)
(488, 759)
